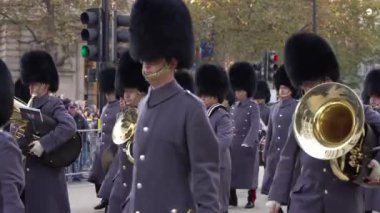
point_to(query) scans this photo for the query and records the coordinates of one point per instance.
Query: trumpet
(124, 130)
(329, 124)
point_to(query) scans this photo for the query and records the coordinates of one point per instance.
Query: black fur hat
(162, 29)
(262, 91)
(185, 79)
(243, 77)
(308, 57)
(22, 91)
(106, 78)
(371, 85)
(212, 80)
(38, 67)
(129, 74)
(6, 93)
(280, 77)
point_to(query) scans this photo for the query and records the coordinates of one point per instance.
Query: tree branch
(13, 21)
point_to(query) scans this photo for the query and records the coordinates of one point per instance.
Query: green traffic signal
(85, 51)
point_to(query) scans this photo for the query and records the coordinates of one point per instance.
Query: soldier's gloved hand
(273, 206)
(374, 177)
(36, 148)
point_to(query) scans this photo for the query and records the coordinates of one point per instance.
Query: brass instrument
(26, 132)
(124, 130)
(329, 124)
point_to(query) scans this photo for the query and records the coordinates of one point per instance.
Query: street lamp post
(314, 16)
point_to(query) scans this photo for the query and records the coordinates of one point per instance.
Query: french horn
(329, 124)
(124, 130)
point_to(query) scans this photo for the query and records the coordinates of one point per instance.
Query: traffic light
(120, 33)
(271, 60)
(92, 34)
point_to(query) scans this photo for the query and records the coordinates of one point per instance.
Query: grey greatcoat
(108, 119)
(221, 122)
(279, 121)
(106, 187)
(244, 160)
(122, 182)
(45, 187)
(316, 190)
(12, 179)
(177, 155)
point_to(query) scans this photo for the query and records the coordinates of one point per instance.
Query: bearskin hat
(308, 57)
(6, 93)
(162, 29)
(185, 79)
(262, 91)
(212, 80)
(280, 77)
(106, 78)
(129, 75)
(371, 85)
(22, 91)
(38, 67)
(243, 77)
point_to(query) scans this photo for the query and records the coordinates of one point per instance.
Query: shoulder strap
(213, 108)
(263, 126)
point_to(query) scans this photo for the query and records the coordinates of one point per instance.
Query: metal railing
(79, 170)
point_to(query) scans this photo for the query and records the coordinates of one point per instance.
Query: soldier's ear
(173, 63)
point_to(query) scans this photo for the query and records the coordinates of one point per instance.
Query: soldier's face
(374, 101)
(208, 100)
(38, 89)
(284, 92)
(132, 97)
(241, 95)
(159, 71)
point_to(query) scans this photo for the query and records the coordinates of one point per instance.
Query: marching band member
(177, 165)
(310, 61)
(132, 83)
(371, 97)
(45, 187)
(279, 122)
(212, 87)
(12, 178)
(244, 149)
(106, 151)
(262, 98)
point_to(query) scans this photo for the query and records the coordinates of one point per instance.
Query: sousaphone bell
(329, 124)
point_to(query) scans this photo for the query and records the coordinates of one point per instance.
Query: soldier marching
(189, 153)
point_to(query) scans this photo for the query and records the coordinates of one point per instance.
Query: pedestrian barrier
(79, 170)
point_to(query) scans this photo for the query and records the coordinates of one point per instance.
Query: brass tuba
(124, 130)
(329, 124)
